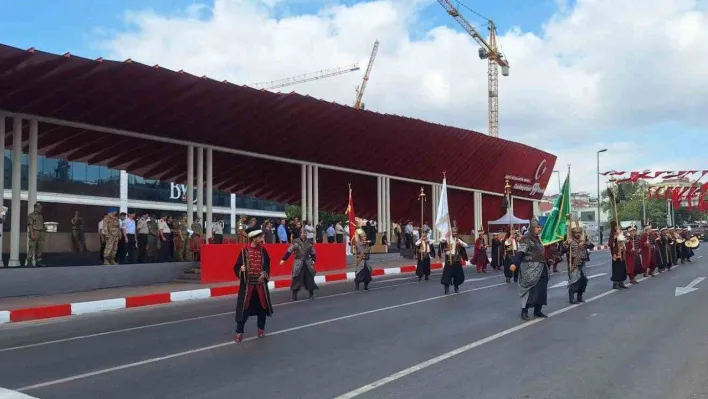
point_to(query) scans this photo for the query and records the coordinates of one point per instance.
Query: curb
(80, 308)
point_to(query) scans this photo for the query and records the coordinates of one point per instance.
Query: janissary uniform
(479, 257)
(303, 272)
(633, 258)
(252, 268)
(497, 252)
(533, 272)
(362, 249)
(425, 252)
(510, 247)
(618, 249)
(647, 251)
(455, 254)
(577, 281)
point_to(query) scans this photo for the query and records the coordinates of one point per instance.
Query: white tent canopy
(509, 218)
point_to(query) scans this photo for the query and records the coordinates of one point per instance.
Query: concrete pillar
(388, 210)
(32, 167)
(303, 192)
(478, 210)
(190, 185)
(379, 198)
(209, 191)
(16, 186)
(123, 191)
(233, 213)
(310, 198)
(316, 198)
(2, 170)
(200, 184)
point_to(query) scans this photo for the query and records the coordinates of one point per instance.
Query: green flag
(555, 228)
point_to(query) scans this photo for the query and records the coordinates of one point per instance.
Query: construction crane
(495, 60)
(308, 77)
(360, 89)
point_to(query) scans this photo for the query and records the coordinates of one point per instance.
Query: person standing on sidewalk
(111, 235)
(130, 230)
(143, 232)
(77, 232)
(303, 272)
(35, 231)
(252, 268)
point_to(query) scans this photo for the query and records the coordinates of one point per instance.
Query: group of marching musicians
(523, 258)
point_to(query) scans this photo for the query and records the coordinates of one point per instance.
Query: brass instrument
(693, 242)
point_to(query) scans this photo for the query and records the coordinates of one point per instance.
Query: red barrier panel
(218, 260)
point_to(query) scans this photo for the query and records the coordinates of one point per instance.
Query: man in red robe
(646, 249)
(252, 268)
(633, 256)
(480, 252)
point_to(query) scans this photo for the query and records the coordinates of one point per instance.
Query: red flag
(352, 217)
(667, 193)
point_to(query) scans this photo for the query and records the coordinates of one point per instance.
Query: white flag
(442, 221)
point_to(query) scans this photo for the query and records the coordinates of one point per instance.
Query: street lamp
(599, 215)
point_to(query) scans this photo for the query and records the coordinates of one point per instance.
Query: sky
(629, 76)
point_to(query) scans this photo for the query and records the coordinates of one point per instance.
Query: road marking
(458, 351)
(210, 347)
(565, 283)
(8, 394)
(689, 288)
(167, 323)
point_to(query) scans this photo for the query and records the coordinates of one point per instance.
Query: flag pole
(568, 224)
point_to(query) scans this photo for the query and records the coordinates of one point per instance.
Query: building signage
(179, 191)
(525, 184)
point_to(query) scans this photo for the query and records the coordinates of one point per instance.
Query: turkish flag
(352, 217)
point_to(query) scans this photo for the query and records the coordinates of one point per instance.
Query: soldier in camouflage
(111, 234)
(184, 231)
(197, 233)
(178, 239)
(35, 235)
(153, 239)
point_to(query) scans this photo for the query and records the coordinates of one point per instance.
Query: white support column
(123, 204)
(209, 191)
(233, 213)
(190, 185)
(310, 194)
(478, 210)
(316, 198)
(16, 186)
(2, 172)
(32, 167)
(200, 184)
(379, 198)
(303, 192)
(387, 218)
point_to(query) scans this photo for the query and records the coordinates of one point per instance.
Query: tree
(293, 211)
(631, 208)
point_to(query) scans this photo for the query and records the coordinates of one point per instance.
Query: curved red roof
(159, 102)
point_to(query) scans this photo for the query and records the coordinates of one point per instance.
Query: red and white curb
(80, 308)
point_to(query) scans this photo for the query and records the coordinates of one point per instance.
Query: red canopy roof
(159, 102)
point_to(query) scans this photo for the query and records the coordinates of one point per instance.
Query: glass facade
(66, 177)
(143, 189)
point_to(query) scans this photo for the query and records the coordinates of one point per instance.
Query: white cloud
(600, 67)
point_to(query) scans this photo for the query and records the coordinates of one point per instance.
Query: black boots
(312, 294)
(580, 297)
(571, 298)
(447, 289)
(525, 314)
(457, 289)
(294, 297)
(537, 312)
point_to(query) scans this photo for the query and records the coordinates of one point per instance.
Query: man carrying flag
(451, 247)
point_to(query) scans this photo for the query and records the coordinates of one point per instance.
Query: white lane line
(8, 394)
(207, 348)
(167, 323)
(565, 283)
(458, 351)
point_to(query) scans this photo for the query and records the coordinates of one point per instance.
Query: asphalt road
(402, 339)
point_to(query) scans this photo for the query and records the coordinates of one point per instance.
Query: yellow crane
(495, 59)
(308, 77)
(360, 90)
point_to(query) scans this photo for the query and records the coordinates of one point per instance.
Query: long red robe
(480, 255)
